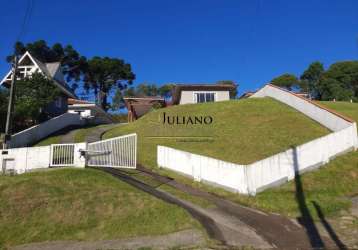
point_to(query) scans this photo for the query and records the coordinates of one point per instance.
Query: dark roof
(247, 94)
(199, 87)
(142, 105)
(72, 101)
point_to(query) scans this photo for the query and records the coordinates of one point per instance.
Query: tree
(3, 108)
(310, 78)
(233, 93)
(31, 96)
(145, 89)
(287, 81)
(166, 90)
(329, 89)
(104, 74)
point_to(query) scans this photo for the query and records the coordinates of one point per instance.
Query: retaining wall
(274, 170)
(34, 134)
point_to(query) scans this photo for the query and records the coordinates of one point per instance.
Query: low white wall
(31, 158)
(202, 168)
(274, 170)
(31, 135)
(327, 118)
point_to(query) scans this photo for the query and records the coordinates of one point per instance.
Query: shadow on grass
(306, 219)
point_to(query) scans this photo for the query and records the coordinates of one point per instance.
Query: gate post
(80, 160)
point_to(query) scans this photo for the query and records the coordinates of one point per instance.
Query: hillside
(242, 131)
(81, 204)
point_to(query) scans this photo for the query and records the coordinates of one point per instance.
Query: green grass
(82, 133)
(79, 136)
(345, 108)
(331, 187)
(242, 131)
(81, 204)
(55, 139)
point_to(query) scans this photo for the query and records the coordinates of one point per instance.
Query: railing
(116, 152)
(62, 155)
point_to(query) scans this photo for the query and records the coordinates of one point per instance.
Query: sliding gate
(118, 152)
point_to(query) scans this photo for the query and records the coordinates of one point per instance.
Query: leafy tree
(166, 90)
(310, 78)
(145, 89)
(104, 74)
(32, 94)
(329, 89)
(233, 93)
(287, 81)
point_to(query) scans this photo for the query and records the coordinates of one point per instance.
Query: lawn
(242, 131)
(277, 126)
(80, 135)
(81, 204)
(345, 108)
(330, 187)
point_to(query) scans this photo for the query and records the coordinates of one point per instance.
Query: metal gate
(118, 152)
(62, 155)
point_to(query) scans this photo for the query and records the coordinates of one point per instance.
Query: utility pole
(10, 108)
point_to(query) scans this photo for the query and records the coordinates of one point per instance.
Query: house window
(58, 103)
(204, 97)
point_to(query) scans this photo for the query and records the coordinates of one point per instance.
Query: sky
(192, 41)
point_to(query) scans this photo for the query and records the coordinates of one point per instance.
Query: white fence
(116, 152)
(36, 133)
(274, 170)
(21, 160)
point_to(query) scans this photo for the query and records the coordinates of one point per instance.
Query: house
(198, 93)
(89, 111)
(138, 106)
(28, 65)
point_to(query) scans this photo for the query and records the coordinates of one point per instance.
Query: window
(58, 102)
(204, 97)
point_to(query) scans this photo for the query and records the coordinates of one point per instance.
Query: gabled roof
(51, 70)
(142, 105)
(199, 87)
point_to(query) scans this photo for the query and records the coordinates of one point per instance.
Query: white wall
(188, 96)
(202, 168)
(31, 158)
(314, 111)
(31, 135)
(274, 170)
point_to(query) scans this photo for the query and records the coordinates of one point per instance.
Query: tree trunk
(104, 101)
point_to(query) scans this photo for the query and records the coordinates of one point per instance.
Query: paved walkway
(69, 137)
(96, 135)
(187, 238)
(231, 223)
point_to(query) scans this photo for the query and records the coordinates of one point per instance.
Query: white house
(198, 93)
(91, 112)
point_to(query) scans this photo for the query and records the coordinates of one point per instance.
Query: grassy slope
(80, 136)
(345, 108)
(330, 187)
(243, 131)
(80, 204)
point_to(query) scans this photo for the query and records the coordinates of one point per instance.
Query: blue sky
(249, 42)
